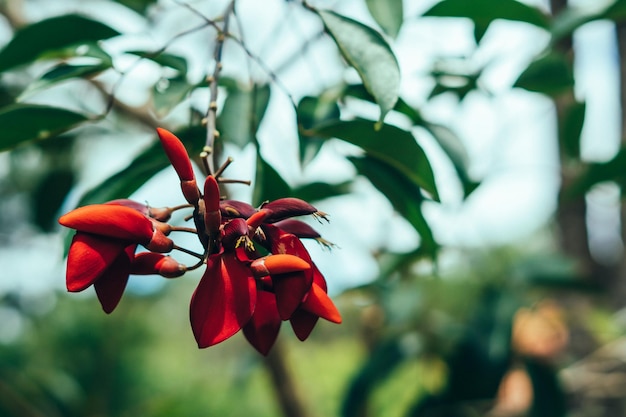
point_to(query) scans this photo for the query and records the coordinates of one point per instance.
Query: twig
(112, 101)
(211, 115)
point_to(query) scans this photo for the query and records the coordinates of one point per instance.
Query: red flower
(258, 273)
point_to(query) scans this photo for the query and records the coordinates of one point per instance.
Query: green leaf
(550, 74)
(359, 91)
(390, 144)
(596, 173)
(455, 150)
(404, 195)
(170, 92)
(242, 113)
(49, 195)
(388, 14)
(140, 6)
(63, 72)
(483, 12)
(147, 164)
(320, 190)
(366, 51)
(164, 59)
(383, 360)
(570, 19)
(571, 127)
(31, 42)
(311, 112)
(25, 122)
(548, 396)
(268, 184)
(448, 140)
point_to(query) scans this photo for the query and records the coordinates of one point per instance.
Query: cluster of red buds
(258, 273)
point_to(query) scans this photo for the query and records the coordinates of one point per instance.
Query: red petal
(234, 208)
(223, 301)
(290, 290)
(320, 304)
(177, 154)
(232, 232)
(288, 207)
(298, 228)
(302, 323)
(88, 258)
(146, 263)
(162, 214)
(262, 329)
(110, 287)
(110, 220)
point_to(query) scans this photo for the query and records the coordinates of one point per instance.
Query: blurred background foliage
(321, 100)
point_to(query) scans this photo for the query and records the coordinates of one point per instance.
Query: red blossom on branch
(258, 273)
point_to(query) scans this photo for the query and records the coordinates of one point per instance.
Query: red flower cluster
(258, 272)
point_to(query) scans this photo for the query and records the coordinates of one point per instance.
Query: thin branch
(112, 98)
(211, 115)
(270, 73)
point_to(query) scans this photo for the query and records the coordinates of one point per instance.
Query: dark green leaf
(140, 6)
(49, 35)
(313, 111)
(242, 113)
(164, 59)
(25, 122)
(483, 12)
(404, 196)
(142, 168)
(448, 140)
(49, 195)
(320, 190)
(390, 144)
(388, 14)
(554, 271)
(359, 91)
(548, 396)
(268, 184)
(367, 52)
(456, 152)
(570, 19)
(596, 173)
(550, 74)
(478, 361)
(458, 84)
(571, 128)
(380, 364)
(616, 11)
(63, 72)
(170, 92)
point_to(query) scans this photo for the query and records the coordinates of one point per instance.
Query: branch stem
(211, 116)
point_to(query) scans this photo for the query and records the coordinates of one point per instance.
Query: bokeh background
(504, 296)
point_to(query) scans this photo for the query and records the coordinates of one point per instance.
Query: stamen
(318, 215)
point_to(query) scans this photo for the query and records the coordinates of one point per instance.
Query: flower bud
(212, 216)
(146, 263)
(177, 154)
(159, 242)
